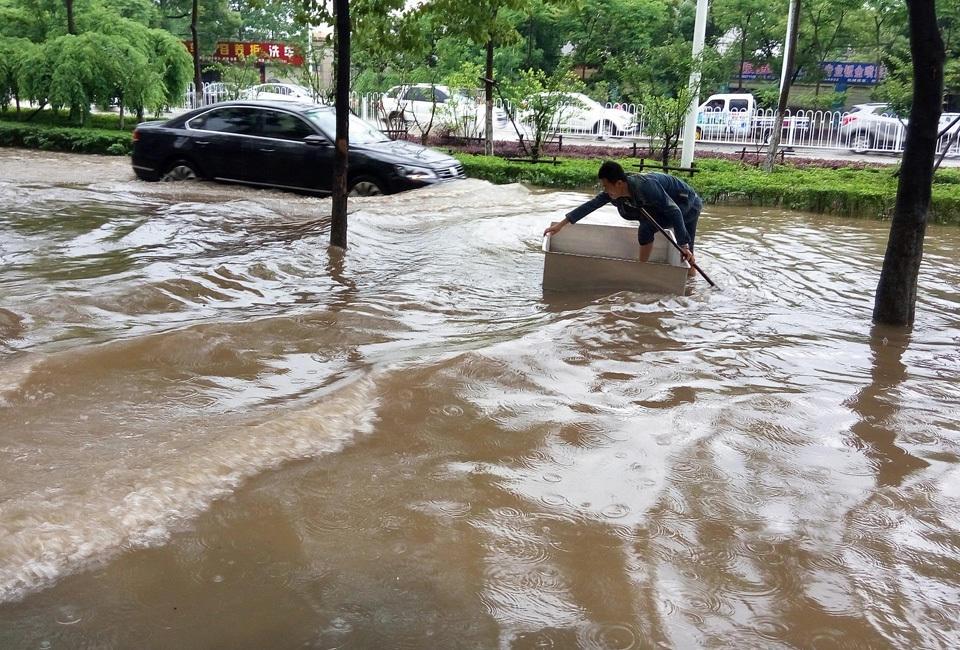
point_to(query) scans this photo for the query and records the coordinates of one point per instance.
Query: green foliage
(13, 54)
(217, 21)
(236, 76)
(172, 63)
(541, 102)
(467, 77)
(64, 139)
(268, 21)
(828, 101)
(665, 119)
(767, 96)
(88, 69)
(825, 27)
(755, 26)
(607, 35)
(897, 88)
(49, 117)
(112, 59)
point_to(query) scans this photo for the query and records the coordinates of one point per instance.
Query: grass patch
(853, 192)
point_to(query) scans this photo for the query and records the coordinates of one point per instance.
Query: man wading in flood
(670, 201)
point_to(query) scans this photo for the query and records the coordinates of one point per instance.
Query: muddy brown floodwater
(214, 433)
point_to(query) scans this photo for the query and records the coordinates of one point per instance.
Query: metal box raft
(593, 256)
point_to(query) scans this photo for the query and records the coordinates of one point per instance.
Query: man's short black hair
(611, 171)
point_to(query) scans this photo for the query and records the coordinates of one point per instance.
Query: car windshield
(360, 131)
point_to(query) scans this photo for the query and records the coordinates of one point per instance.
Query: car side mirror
(317, 141)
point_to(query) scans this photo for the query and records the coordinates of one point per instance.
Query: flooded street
(216, 434)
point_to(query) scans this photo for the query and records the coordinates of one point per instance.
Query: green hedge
(15, 134)
(50, 117)
(848, 192)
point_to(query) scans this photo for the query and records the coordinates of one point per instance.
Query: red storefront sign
(234, 51)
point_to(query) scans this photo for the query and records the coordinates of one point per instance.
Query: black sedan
(286, 145)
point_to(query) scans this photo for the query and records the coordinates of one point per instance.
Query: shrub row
(116, 143)
(865, 192)
(50, 117)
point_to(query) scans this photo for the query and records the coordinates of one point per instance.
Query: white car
(873, 127)
(581, 114)
(280, 92)
(426, 105)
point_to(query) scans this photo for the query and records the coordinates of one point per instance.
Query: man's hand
(555, 228)
(687, 255)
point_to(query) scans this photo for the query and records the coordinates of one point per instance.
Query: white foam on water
(44, 536)
(14, 374)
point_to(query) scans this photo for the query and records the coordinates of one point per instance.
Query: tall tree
(824, 31)
(896, 298)
(753, 25)
(487, 23)
(786, 80)
(197, 80)
(71, 21)
(338, 225)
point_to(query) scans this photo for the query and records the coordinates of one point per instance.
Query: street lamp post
(690, 126)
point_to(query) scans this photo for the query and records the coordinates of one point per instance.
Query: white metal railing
(813, 129)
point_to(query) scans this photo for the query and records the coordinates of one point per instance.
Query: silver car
(872, 127)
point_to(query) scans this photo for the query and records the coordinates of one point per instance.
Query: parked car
(872, 127)
(737, 115)
(285, 145)
(279, 92)
(581, 114)
(435, 105)
(875, 127)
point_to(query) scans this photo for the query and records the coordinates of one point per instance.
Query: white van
(736, 115)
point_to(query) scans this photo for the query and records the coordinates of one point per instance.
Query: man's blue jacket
(670, 201)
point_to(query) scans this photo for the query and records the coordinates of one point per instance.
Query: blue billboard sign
(838, 72)
(852, 73)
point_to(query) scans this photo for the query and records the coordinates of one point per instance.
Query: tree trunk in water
(71, 22)
(793, 22)
(895, 302)
(197, 80)
(338, 225)
(488, 117)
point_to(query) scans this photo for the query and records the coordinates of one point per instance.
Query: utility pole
(786, 76)
(197, 79)
(690, 126)
(338, 223)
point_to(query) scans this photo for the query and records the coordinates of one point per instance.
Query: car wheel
(366, 186)
(861, 142)
(182, 170)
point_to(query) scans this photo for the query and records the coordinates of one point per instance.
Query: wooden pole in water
(663, 232)
(338, 224)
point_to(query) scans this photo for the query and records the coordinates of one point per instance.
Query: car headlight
(416, 173)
